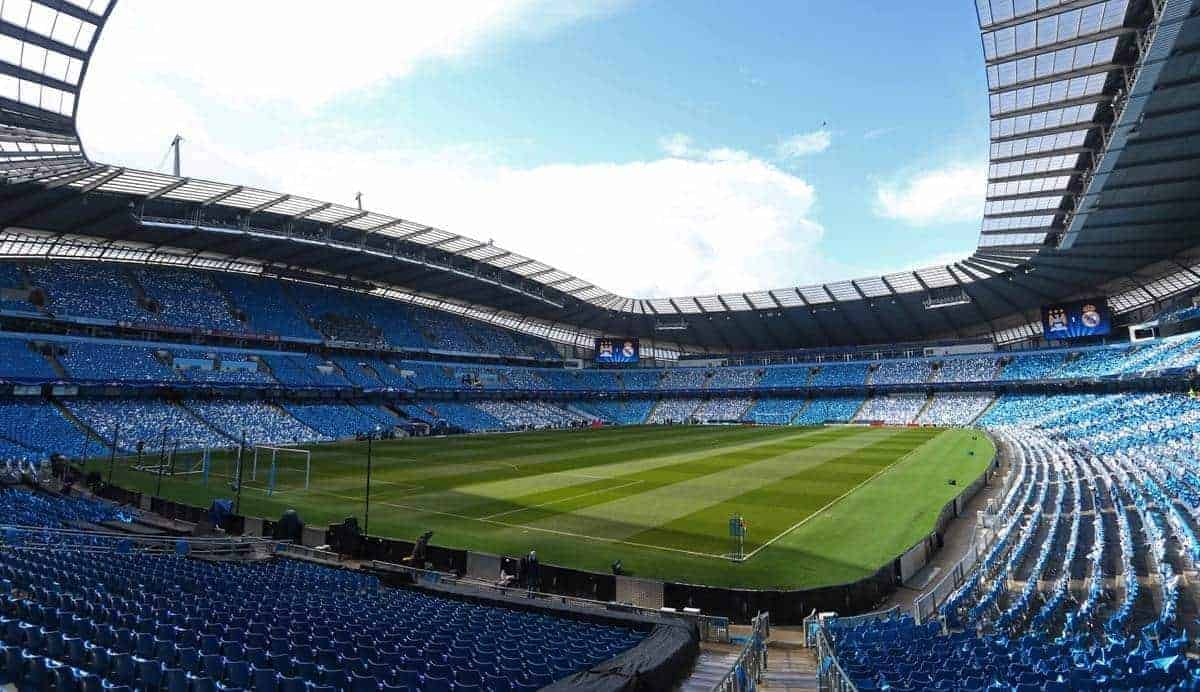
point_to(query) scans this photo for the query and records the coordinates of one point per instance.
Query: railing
(830, 674)
(926, 605)
(747, 670)
(712, 628)
(42, 538)
(300, 552)
(813, 623)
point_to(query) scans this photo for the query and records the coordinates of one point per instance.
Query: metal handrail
(751, 663)
(830, 674)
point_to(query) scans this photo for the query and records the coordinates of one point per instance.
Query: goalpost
(282, 466)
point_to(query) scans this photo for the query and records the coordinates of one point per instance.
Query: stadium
(255, 440)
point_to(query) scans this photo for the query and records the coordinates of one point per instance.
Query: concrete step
(712, 665)
(790, 668)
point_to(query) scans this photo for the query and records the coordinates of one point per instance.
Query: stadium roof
(1092, 188)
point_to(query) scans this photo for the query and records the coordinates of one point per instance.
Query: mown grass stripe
(662, 472)
(770, 508)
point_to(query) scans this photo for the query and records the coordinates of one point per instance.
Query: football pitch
(822, 505)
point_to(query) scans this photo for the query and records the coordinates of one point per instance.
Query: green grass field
(823, 505)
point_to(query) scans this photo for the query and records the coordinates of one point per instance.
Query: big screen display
(1077, 320)
(617, 350)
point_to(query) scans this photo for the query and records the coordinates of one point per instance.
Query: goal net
(172, 462)
(281, 468)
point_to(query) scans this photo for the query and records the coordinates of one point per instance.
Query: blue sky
(654, 148)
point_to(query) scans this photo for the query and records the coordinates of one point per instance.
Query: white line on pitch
(584, 536)
(563, 499)
(834, 501)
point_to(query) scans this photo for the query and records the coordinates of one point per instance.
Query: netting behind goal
(169, 462)
(280, 468)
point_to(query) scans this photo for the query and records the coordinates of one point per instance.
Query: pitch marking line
(614, 541)
(834, 501)
(563, 499)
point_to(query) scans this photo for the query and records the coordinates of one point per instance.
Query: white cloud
(722, 221)
(694, 220)
(951, 193)
(307, 52)
(677, 145)
(805, 144)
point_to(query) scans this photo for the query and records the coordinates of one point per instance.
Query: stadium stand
(1100, 482)
(102, 361)
(185, 298)
(259, 422)
(894, 409)
(1171, 352)
(832, 409)
(525, 415)
(785, 377)
(40, 428)
(980, 369)
(774, 411)
(14, 294)
(683, 378)
(305, 370)
(955, 408)
(459, 416)
(19, 361)
(152, 422)
(1098, 362)
(722, 409)
(734, 378)
(91, 614)
(334, 421)
(267, 308)
(219, 367)
(839, 375)
(429, 375)
(598, 380)
(88, 291)
(639, 380)
(901, 372)
(674, 410)
(563, 380)
(1033, 366)
(619, 412)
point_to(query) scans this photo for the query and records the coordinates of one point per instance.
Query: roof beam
(32, 37)
(102, 180)
(268, 204)
(384, 226)
(166, 188)
(222, 196)
(77, 11)
(309, 212)
(37, 78)
(353, 217)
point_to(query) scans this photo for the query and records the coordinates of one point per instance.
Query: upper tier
(38, 358)
(165, 298)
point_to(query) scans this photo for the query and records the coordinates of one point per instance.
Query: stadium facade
(1091, 191)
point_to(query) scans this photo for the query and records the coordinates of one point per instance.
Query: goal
(282, 468)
